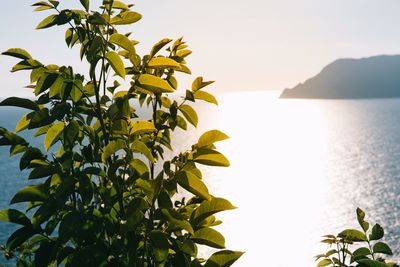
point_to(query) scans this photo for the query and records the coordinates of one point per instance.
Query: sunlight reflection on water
(299, 169)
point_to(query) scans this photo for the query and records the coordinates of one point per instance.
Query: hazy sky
(243, 45)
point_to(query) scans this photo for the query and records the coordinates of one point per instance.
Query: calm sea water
(299, 170)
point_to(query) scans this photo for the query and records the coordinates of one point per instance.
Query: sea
(299, 169)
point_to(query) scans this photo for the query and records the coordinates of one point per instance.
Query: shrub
(103, 194)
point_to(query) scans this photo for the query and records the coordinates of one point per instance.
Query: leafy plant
(369, 255)
(103, 194)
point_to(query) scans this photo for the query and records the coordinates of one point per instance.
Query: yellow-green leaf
(205, 96)
(122, 41)
(160, 44)
(154, 84)
(18, 53)
(193, 184)
(163, 63)
(47, 22)
(22, 124)
(52, 134)
(126, 17)
(223, 258)
(210, 137)
(209, 237)
(198, 83)
(210, 207)
(183, 53)
(140, 147)
(116, 63)
(211, 158)
(141, 127)
(14, 216)
(56, 87)
(120, 5)
(111, 148)
(190, 114)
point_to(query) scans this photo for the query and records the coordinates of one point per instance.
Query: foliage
(369, 255)
(102, 193)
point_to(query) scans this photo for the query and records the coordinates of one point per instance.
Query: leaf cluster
(100, 186)
(369, 251)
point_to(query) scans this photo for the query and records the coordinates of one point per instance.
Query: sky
(243, 45)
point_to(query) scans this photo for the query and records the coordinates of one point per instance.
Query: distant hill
(372, 77)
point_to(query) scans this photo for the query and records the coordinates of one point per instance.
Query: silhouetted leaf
(14, 216)
(31, 193)
(20, 102)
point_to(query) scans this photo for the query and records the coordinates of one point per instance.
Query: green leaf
(76, 92)
(209, 237)
(122, 41)
(211, 158)
(190, 114)
(52, 134)
(163, 63)
(47, 22)
(353, 235)
(116, 63)
(155, 84)
(31, 193)
(126, 17)
(211, 137)
(360, 253)
(360, 217)
(120, 5)
(18, 53)
(381, 247)
(111, 148)
(85, 4)
(140, 147)
(14, 216)
(45, 81)
(377, 232)
(183, 53)
(27, 64)
(139, 166)
(205, 96)
(210, 207)
(56, 87)
(176, 220)
(20, 102)
(199, 84)
(324, 262)
(19, 237)
(193, 184)
(160, 246)
(157, 47)
(372, 263)
(71, 132)
(22, 124)
(40, 172)
(224, 258)
(141, 127)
